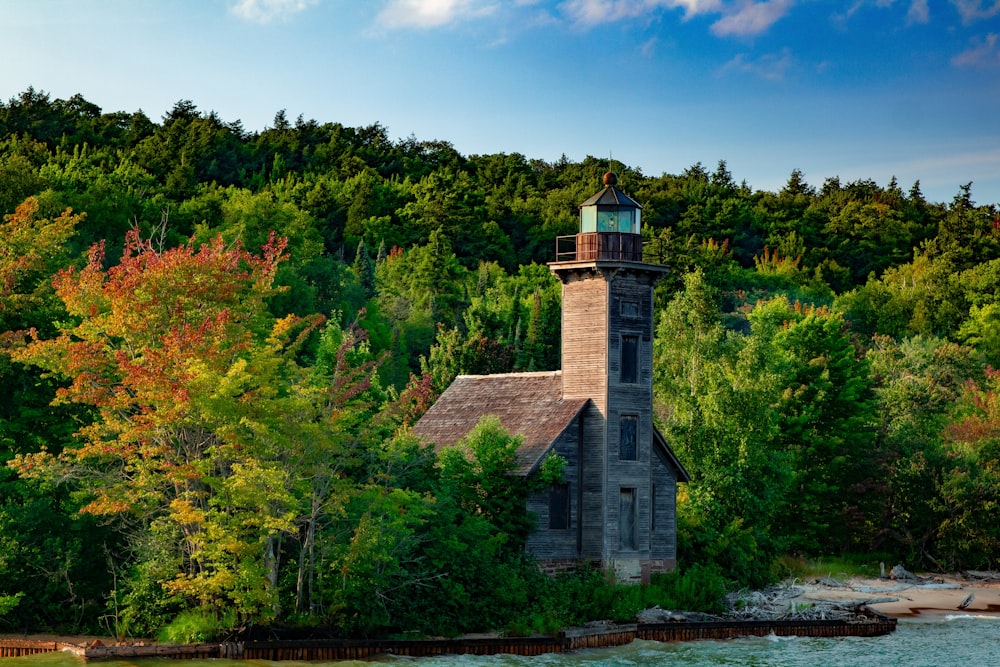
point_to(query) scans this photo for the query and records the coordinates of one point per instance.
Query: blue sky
(852, 88)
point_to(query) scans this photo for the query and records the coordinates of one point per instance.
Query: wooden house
(616, 507)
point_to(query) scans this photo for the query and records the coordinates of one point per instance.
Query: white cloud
(695, 7)
(919, 12)
(986, 52)
(266, 11)
(432, 13)
(589, 13)
(974, 10)
(771, 67)
(752, 18)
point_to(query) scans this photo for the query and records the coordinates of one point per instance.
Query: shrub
(194, 626)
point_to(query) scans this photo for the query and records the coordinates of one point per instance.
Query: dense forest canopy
(215, 340)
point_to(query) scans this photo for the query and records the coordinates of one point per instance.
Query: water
(960, 640)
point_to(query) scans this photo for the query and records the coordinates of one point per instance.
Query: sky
(853, 89)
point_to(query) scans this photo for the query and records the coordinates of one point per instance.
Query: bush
(698, 588)
(195, 626)
(589, 595)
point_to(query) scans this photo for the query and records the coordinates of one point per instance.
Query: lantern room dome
(610, 210)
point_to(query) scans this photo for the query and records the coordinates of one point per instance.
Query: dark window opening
(630, 308)
(628, 440)
(630, 359)
(626, 519)
(559, 507)
(652, 508)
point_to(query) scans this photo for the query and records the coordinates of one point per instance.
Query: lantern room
(610, 210)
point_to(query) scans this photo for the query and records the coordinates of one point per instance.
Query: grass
(838, 568)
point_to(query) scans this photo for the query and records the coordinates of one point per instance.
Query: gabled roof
(527, 404)
(670, 457)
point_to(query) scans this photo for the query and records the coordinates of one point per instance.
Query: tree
(982, 331)
(31, 249)
(970, 487)
(46, 572)
(177, 354)
(711, 390)
(919, 382)
(364, 269)
(827, 423)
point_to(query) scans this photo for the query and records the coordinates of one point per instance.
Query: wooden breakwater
(867, 624)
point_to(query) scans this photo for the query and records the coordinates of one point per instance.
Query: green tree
(982, 331)
(920, 379)
(970, 486)
(709, 387)
(827, 424)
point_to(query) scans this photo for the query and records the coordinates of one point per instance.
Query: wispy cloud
(752, 18)
(648, 48)
(771, 67)
(919, 12)
(695, 7)
(268, 11)
(739, 18)
(433, 13)
(985, 52)
(588, 13)
(856, 7)
(976, 10)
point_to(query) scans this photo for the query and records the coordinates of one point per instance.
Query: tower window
(559, 507)
(630, 308)
(628, 440)
(630, 359)
(626, 519)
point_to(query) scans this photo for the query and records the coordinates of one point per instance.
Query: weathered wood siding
(585, 374)
(546, 543)
(585, 337)
(630, 313)
(603, 303)
(663, 540)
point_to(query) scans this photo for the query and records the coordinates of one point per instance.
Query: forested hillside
(215, 340)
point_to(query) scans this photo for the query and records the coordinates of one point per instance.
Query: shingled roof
(527, 404)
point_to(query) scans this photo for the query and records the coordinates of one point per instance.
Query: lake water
(963, 641)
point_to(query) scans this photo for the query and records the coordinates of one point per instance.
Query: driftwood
(658, 615)
(900, 573)
(781, 604)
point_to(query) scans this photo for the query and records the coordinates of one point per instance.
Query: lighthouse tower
(627, 482)
(615, 505)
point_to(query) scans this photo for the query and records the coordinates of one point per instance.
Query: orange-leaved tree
(189, 375)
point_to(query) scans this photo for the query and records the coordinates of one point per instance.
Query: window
(652, 508)
(628, 438)
(626, 519)
(559, 507)
(630, 308)
(630, 359)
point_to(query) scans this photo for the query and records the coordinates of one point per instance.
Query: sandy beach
(933, 595)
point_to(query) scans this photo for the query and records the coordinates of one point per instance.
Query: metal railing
(608, 246)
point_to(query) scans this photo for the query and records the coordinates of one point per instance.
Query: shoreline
(932, 597)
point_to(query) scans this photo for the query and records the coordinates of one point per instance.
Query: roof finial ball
(610, 178)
